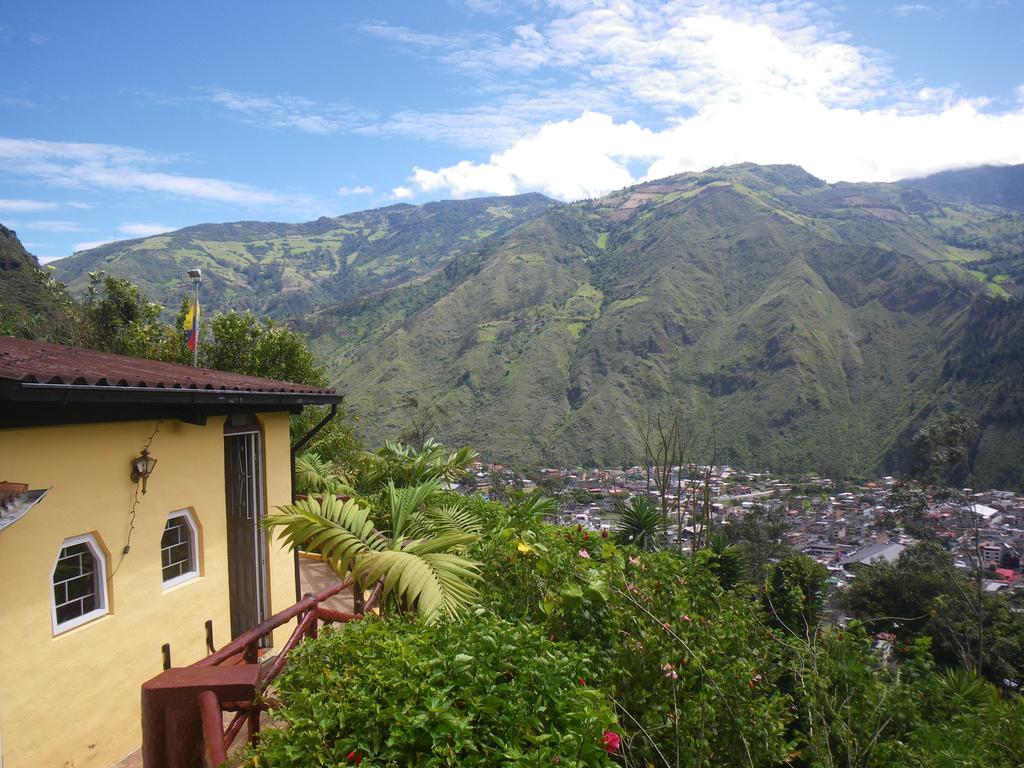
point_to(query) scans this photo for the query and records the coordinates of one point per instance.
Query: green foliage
(946, 447)
(32, 304)
(337, 441)
(478, 692)
(924, 595)
(639, 522)
(407, 465)
(794, 594)
(760, 533)
(699, 666)
(315, 475)
(241, 342)
(412, 549)
(729, 561)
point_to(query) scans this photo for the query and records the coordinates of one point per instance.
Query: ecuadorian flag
(191, 326)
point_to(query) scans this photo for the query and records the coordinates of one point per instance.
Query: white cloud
(25, 205)
(909, 9)
(361, 190)
(287, 111)
(56, 226)
(399, 34)
(707, 84)
(140, 229)
(402, 193)
(125, 169)
(568, 159)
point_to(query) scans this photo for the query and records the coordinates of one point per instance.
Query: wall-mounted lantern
(142, 468)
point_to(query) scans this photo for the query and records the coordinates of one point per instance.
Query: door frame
(257, 461)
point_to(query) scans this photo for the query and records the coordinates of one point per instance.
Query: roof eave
(89, 393)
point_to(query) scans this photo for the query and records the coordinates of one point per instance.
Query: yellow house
(131, 496)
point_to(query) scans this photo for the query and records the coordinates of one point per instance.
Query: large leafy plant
(413, 547)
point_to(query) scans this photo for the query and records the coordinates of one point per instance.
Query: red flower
(354, 757)
(610, 741)
(581, 681)
(604, 534)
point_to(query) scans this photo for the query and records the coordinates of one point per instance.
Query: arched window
(79, 583)
(179, 548)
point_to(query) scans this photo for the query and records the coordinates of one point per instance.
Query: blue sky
(123, 119)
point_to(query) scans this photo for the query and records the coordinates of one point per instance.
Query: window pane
(75, 583)
(176, 548)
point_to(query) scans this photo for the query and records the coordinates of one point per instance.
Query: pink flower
(686, 617)
(634, 560)
(669, 671)
(611, 741)
(584, 554)
(665, 626)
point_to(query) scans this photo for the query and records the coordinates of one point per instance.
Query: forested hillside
(809, 325)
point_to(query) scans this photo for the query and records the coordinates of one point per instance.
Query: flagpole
(197, 277)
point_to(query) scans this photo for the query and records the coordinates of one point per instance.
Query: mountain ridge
(811, 325)
(281, 269)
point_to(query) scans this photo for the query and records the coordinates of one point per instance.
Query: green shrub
(479, 692)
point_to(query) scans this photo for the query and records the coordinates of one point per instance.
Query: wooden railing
(183, 708)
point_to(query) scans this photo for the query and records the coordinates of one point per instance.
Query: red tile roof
(39, 363)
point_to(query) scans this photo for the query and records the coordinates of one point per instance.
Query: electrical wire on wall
(135, 503)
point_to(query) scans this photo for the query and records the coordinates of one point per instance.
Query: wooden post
(172, 727)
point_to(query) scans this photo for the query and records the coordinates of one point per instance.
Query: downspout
(295, 450)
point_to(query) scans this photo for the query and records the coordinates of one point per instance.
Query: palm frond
(435, 584)
(340, 531)
(403, 504)
(431, 521)
(314, 475)
(535, 507)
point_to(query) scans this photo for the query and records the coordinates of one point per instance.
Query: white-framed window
(79, 580)
(179, 549)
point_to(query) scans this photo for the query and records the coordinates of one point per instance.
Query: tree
(117, 317)
(923, 594)
(640, 523)
(403, 541)
(760, 533)
(242, 343)
(794, 594)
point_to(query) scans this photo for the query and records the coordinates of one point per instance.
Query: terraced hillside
(282, 269)
(813, 325)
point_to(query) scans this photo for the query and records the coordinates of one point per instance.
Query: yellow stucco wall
(73, 699)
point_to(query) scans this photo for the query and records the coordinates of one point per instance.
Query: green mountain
(812, 325)
(1001, 185)
(30, 304)
(283, 269)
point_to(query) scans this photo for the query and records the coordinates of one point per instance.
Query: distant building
(876, 553)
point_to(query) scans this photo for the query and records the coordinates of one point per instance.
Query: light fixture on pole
(142, 468)
(197, 278)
